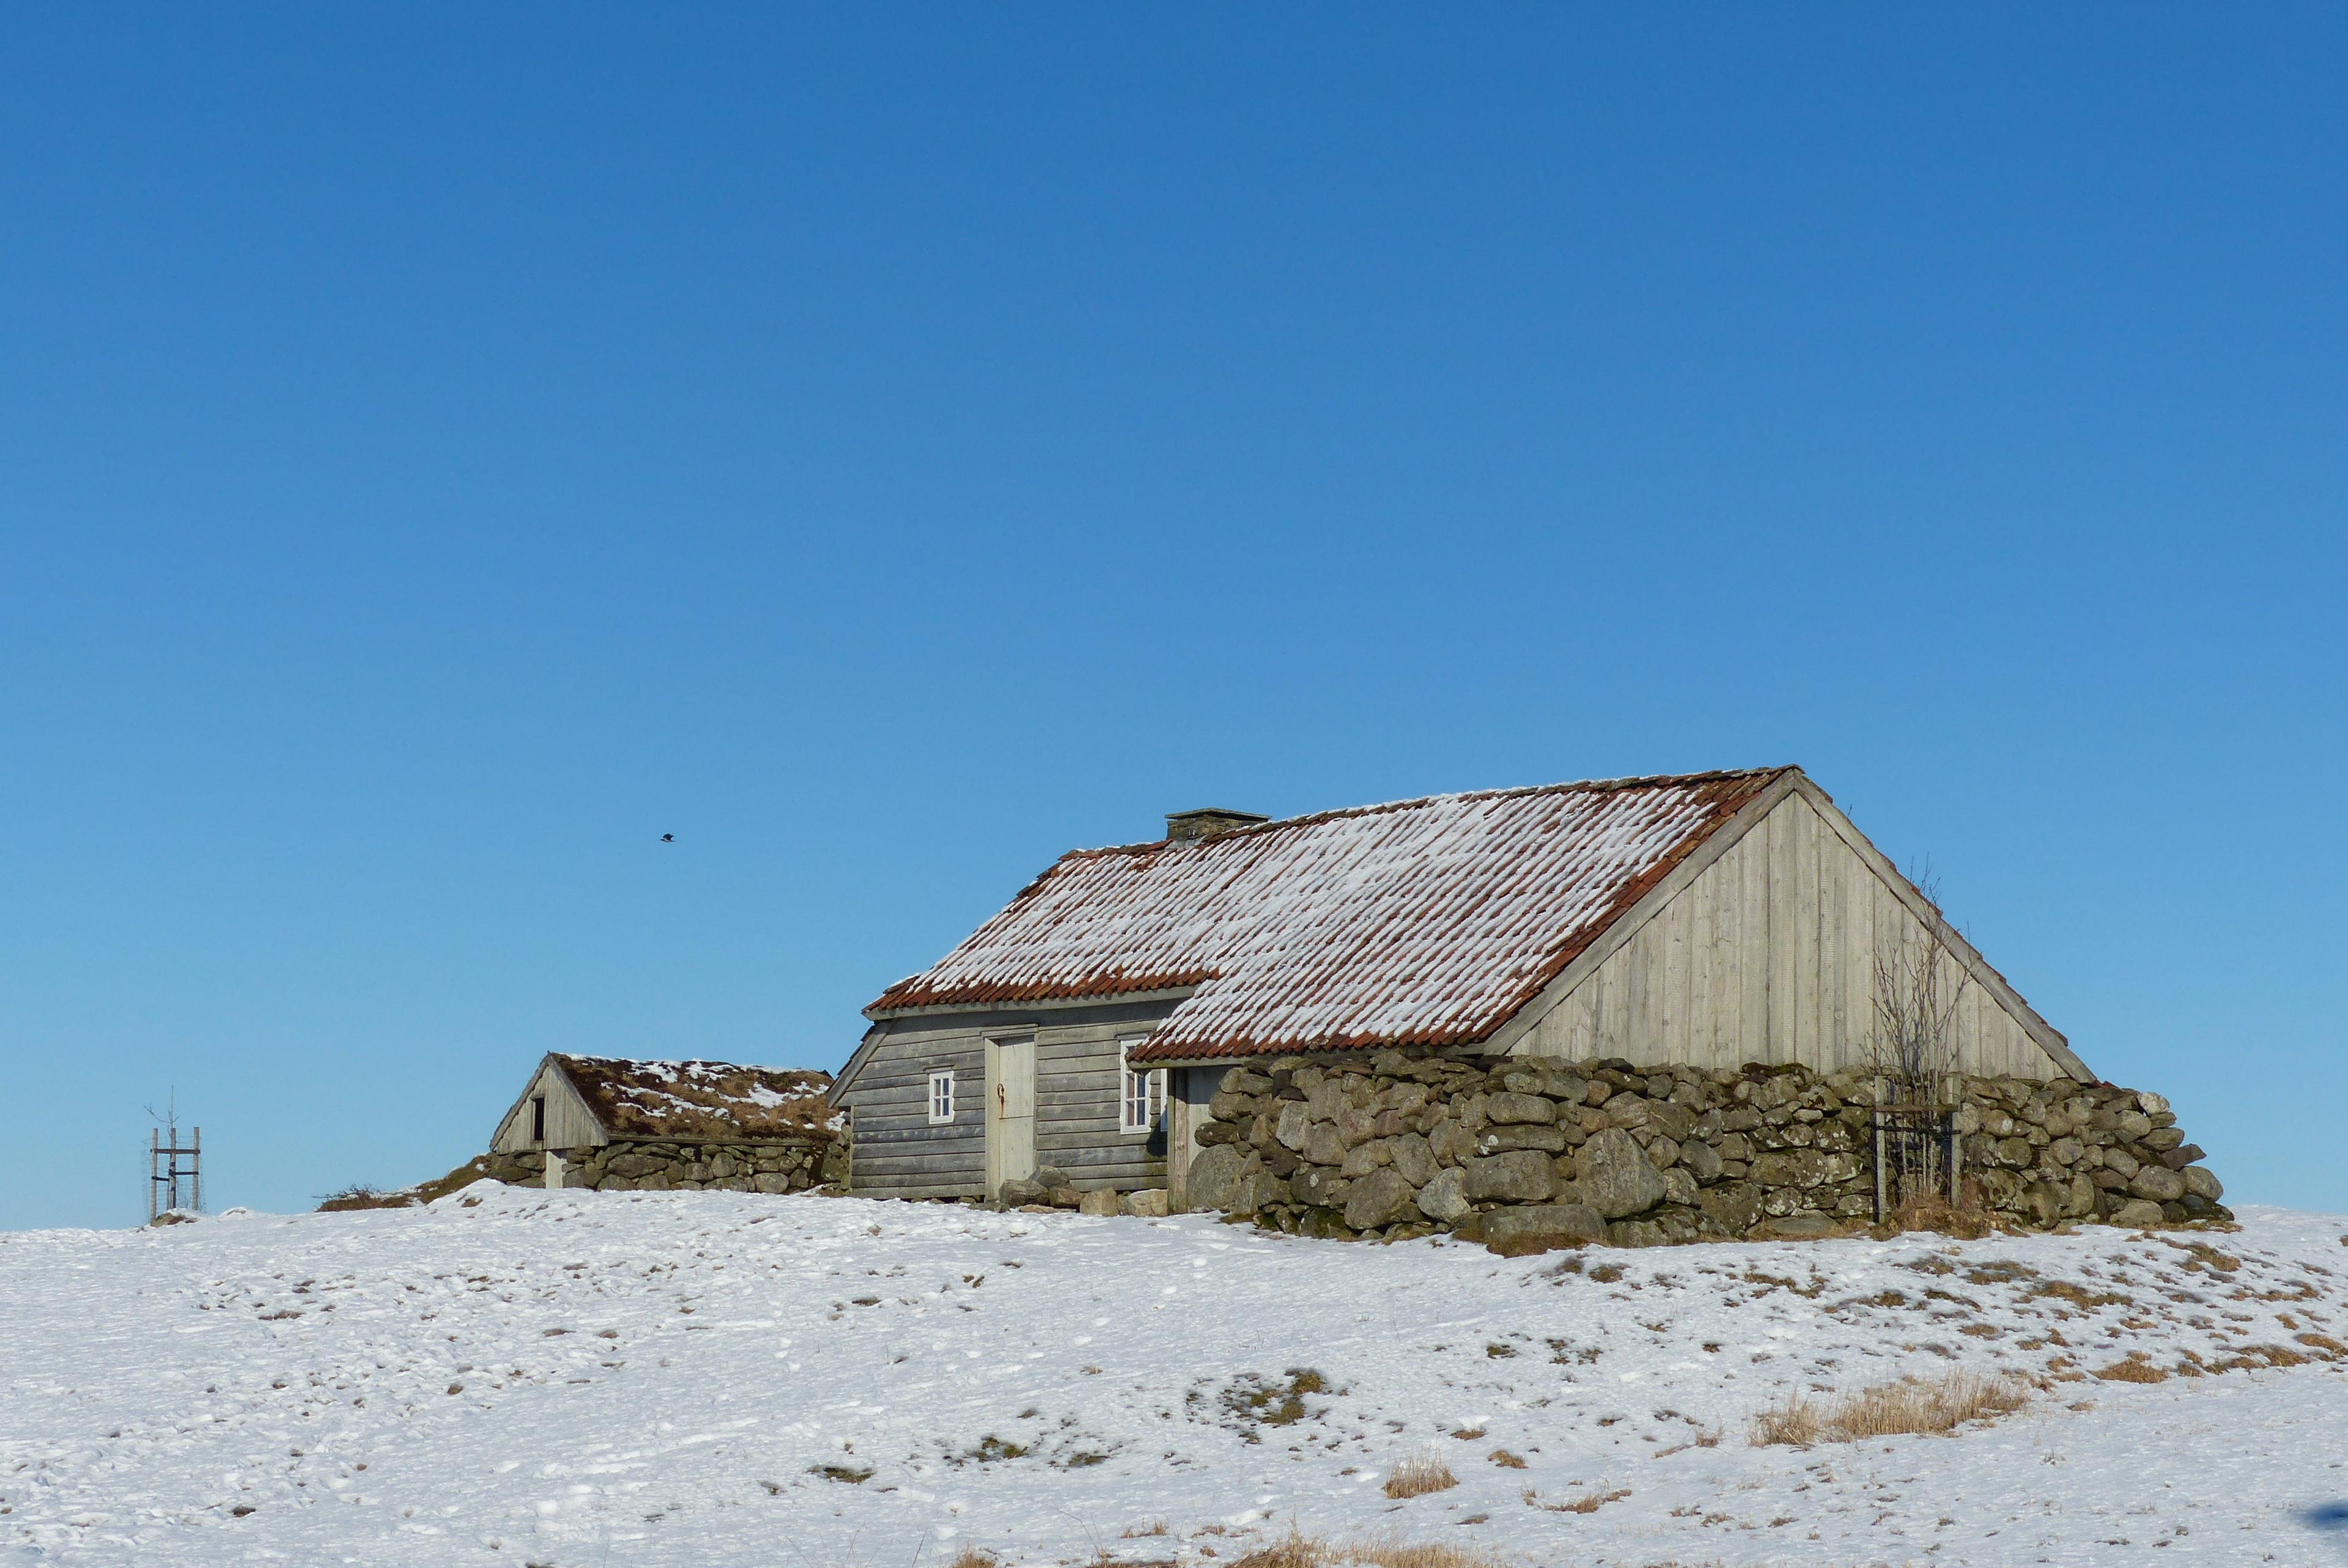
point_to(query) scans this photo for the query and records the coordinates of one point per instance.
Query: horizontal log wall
(899, 1154)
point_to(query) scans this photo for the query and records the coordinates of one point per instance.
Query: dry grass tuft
(1907, 1408)
(1928, 1212)
(973, 1557)
(1418, 1475)
(1794, 1424)
(1505, 1459)
(1301, 1550)
(2134, 1369)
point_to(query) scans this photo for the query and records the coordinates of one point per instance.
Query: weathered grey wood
(2044, 1035)
(1769, 955)
(570, 1124)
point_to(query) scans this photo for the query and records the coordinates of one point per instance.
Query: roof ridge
(1643, 781)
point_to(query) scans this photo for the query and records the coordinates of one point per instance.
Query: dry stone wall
(1525, 1153)
(654, 1166)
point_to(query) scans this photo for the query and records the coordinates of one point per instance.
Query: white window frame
(941, 1096)
(1141, 1093)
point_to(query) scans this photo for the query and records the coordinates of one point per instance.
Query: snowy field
(581, 1379)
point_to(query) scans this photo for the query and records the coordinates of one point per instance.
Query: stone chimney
(1207, 821)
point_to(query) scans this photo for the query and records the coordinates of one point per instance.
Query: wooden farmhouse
(624, 1124)
(1710, 920)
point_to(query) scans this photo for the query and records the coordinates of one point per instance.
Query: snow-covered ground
(583, 1378)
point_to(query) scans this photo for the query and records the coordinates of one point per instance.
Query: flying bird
(668, 838)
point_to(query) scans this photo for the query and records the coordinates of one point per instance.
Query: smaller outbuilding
(618, 1123)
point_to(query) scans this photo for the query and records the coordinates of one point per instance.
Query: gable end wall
(1769, 956)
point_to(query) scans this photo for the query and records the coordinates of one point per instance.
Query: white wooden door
(1010, 1110)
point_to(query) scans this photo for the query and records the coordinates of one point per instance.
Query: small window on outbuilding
(942, 1097)
(1142, 1091)
(538, 1118)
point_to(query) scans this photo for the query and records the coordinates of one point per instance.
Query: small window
(538, 1118)
(941, 1101)
(1142, 1091)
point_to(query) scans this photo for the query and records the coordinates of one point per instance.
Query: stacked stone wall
(655, 1166)
(1527, 1153)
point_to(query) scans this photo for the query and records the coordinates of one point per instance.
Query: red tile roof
(1424, 922)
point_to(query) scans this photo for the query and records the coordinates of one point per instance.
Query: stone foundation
(1524, 1153)
(651, 1166)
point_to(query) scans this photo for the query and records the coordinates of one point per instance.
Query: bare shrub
(1908, 1407)
(1418, 1475)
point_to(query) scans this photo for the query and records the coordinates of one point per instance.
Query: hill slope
(512, 1376)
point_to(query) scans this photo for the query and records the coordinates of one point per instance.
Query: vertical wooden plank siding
(1769, 956)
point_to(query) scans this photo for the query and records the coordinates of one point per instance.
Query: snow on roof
(716, 1099)
(1424, 922)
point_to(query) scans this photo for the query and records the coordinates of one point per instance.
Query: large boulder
(1541, 1227)
(2202, 1182)
(1520, 1176)
(2137, 1212)
(2160, 1183)
(1444, 1199)
(1020, 1190)
(1212, 1174)
(1510, 1110)
(1413, 1158)
(1616, 1177)
(1731, 1205)
(1795, 1227)
(1380, 1199)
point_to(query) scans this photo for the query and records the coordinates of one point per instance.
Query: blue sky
(443, 450)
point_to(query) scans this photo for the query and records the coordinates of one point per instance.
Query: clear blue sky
(443, 450)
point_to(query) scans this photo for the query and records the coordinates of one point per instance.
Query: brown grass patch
(1301, 1550)
(1937, 1214)
(2323, 1342)
(2134, 1369)
(1505, 1459)
(1418, 1475)
(973, 1557)
(1912, 1405)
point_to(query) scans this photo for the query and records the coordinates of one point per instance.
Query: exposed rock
(1500, 1140)
(1444, 1198)
(1541, 1227)
(2202, 1182)
(1412, 1158)
(1211, 1176)
(1731, 1205)
(1149, 1203)
(1508, 1110)
(2160, 1183)
(1320, 1186)
(1520, 1176)
(1700, 1161)
(2138, 1213)
(1615, 1177)
(1795, 1227)
(1100, 1201)
(1380, 1199)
